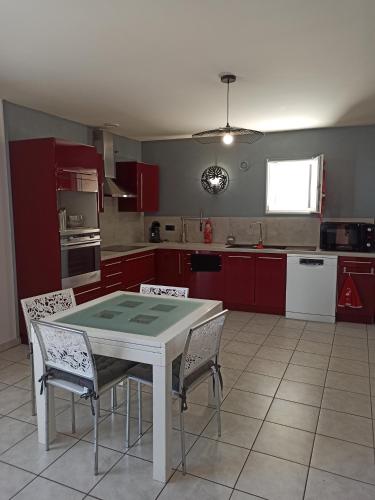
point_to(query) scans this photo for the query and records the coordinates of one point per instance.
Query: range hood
(103, 141)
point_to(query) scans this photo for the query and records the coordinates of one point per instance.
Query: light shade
(215, 179)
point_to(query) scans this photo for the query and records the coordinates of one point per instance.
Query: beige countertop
(221, 247)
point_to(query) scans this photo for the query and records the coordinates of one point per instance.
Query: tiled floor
(297, 422)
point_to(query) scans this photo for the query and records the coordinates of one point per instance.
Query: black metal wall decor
(215, 179)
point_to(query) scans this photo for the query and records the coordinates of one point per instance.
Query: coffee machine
(155, 232)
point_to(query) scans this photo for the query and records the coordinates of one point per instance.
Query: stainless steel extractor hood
(103, 141)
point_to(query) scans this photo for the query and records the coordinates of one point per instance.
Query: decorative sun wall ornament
(215, 179)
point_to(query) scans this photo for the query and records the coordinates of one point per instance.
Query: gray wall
(349, 154)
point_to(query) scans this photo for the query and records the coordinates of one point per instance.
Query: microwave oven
(347, 237)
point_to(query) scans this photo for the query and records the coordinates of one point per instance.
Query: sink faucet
(260, 238)
(184, 225)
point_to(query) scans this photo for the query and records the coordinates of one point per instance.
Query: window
(294, 186)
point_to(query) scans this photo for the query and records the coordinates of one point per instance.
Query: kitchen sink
(247, 245)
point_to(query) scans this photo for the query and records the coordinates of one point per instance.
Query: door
(169, 267)
(270, 283)
(239, 271)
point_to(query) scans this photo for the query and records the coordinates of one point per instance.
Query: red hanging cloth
(349, 296)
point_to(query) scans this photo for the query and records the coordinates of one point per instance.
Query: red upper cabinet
(362, 271)
(270, 283)
(239, 273)
(141, 179)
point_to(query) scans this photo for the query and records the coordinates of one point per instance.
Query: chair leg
(33, 402)
(73, 411)
(96, 435)
(46, 421)
(182, 435)
(139, 409)
(127, 430)
(114, 398)
(217, 395)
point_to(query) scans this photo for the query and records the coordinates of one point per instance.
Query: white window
(294, 186)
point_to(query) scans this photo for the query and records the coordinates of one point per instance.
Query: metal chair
(172, 291)
(69, 364)
(198, 362)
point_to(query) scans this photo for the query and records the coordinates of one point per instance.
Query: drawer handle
(113, 274)
(115, 284)
(271, 258)
(371, 273)
(238, 257)
(356, 262)
(87, 291)
(142, 257)
(112, 263)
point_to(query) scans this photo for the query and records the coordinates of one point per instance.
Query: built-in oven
(347, 236)
(80, 257)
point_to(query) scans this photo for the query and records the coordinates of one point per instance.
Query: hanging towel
(349, 296)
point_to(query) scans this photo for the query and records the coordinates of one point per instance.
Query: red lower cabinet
(203, 284)
(362, 272)
(169, 267)
(88, 292)
(138, 268)
(270, 283)
(239, 281)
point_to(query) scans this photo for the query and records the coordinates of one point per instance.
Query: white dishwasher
(311, 287)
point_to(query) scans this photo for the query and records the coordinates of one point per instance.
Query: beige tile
(14, 373)
(260, 384)
(296, 415)
(350, 332)
(354, 342)
(347, 402)
(242, 348)
(196, 418)
(293, 324)
(247, 403)
(235, 429)
(83, 417)
(240, 495)
(282, 342)
(345, 382)
(24, 412)
(253, 338)
(230, 360)
(264, 319)
(285, 442)
(12, 480)
(321, 484)
(347, 427)
(215, 461)
(345, 325)
(308, 359)
(4, 363)
(315, 326)
(350, 353)
(188, 487)
(42, 489)
(274, 354)
(131, 475)
(267, 367)
(256, 328)
(343, 458)
(12, 398)
(272, 478)
(300, 393)
(322, 337)
(349, 366)
(12, 431)
(314, 347)
(286, 332)
(306, 374)
(16, 354)
(242, 316)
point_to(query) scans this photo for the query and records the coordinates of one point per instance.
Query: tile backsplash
(120, 227)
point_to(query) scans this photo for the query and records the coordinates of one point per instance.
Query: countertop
(221, 247)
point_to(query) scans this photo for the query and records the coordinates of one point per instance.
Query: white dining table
(135, 327)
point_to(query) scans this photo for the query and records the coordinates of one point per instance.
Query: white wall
(8, 314)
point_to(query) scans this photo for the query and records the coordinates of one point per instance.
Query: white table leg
(162, 416)
(40, 398)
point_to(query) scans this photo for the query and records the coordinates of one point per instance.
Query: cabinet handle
(238, 257)
(357, 262)
(141, 191)
(112, 263)
(87, 291)
(179, 263)
(113, 274)
(271, 258)
(141, 257)
(115, 284)
(371, 273)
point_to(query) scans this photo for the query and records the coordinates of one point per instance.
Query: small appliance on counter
(62, 219)
(76, 221)
(347, 237)
(155, 232)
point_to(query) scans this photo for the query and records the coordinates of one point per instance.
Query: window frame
(319, 186)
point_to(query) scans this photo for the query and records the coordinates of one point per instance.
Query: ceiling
(153, 66)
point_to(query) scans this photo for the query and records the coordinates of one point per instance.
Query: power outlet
(170, 227)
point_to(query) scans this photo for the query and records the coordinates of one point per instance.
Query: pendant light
(228, 135)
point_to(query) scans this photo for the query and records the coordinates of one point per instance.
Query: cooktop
(120, 248)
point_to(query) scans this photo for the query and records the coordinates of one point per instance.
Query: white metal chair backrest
(202, 345)
(42, 306)
(172, 291)
(65, 349)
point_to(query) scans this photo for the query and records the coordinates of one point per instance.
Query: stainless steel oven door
(80, 264)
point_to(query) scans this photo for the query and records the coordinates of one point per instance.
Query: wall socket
(170, 227)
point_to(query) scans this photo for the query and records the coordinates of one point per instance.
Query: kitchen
(98, 212)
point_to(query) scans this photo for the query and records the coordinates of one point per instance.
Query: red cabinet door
(203, 285)
(139, 268)
(362, 272)
(88, 292)
(270, 283)
(141, 179)
(169, 267)
(239, 271)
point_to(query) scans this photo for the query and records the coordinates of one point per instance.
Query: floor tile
(347, 402)
(12, 431)
(345, 382)
(12, 480)
(76, 467)
(274, 354)
(42, 489)
(196, 418)
(13, 373)
(253, 338)
(12, 398)
(325, 338)
(349, 366)
(230, 376)
(256, 328)
(131, 478)
(231, 360)
(187, 487)
(300, 393)
(16, 354)
(24, 412)
(242, 348)
(4, 363)
(83, 418)
(282, 342)
(347, 427)
(315, 326)
(31, 455)
(272, 478)
(306, 374)
(293, 324)
(143, 447)
(243, 316)
(321, 484)
(293, 414)
(343, 458)
(309, 359)
(314, 347)
(284, 442)
(285, 332)
(216, 461)
(350, 353)
(357, 343)
(260, 384)
(264, 319)
(240, 495)
(235, 429)
(267, 367)
(247, 403)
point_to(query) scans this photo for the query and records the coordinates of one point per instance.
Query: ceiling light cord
(228, 103)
